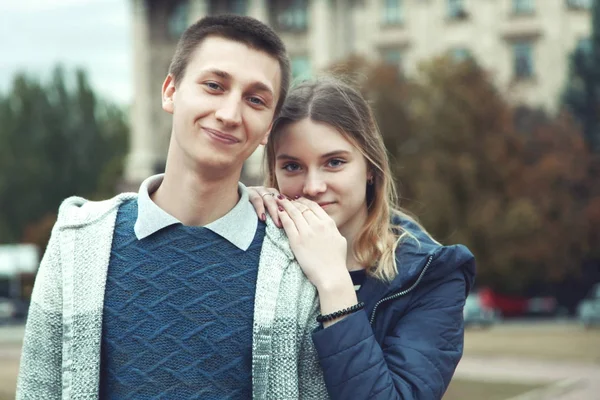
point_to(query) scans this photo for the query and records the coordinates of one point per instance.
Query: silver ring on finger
(268, 194)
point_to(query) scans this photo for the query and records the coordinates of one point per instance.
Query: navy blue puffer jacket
(408, 340)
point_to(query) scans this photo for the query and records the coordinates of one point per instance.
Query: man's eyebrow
(256, 85)
(261, 87)
(220, 73)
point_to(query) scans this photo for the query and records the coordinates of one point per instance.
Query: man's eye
(257, 101)
(213, 85)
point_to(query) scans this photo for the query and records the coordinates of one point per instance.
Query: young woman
(391, 297)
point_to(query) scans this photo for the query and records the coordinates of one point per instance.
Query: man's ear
(265, 138)
(168, 94)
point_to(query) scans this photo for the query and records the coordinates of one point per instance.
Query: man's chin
(219, 166)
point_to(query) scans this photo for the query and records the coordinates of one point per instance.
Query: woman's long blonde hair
(333, 102)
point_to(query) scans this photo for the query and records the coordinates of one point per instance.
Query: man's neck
(195, 200)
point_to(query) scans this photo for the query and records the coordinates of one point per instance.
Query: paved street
(566, 381)
(10, 350)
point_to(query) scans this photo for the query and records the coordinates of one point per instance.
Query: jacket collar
(413, 253)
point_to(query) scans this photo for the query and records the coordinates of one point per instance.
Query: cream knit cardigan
(61, 349)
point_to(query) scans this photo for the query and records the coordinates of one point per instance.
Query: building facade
(524, 44)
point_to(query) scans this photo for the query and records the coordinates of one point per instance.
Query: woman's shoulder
(417, 249)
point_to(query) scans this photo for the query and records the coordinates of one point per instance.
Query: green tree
(582, 94)
(57, 139)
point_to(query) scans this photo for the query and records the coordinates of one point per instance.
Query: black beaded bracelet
(337, 314)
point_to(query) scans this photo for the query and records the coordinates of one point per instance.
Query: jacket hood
(416, 252)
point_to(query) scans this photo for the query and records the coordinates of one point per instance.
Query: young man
(155, 295)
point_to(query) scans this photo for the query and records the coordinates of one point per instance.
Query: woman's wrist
(335, 295)
(340, 313)
(334, 284)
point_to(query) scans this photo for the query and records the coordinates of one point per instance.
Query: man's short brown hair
(242, 29)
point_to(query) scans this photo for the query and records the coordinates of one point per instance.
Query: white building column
(253, 166)
(198, 9)
(321, 33)
(258, 9)
(141, 159)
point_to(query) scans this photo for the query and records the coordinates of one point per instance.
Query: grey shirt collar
(238, 226)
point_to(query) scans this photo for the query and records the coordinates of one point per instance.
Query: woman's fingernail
(296, 197)
(280, 197)
(280, 208)
(263, 217)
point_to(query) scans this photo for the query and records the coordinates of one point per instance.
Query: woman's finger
(271, 205)
(293, 212)
(307, 212)
(263, 201)
(257, 201)
(316, 209)
(287, 224)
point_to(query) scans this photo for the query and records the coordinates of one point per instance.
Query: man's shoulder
(77, 211)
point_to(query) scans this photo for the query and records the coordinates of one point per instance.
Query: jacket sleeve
(40, 373)
(417, 357)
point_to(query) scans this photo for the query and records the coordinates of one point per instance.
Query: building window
(393, 58)
(293, 15)
(178, 19)
(523, 6)
(239, 7)
(456, 9)
(300, 67)
(584, 46)
(523, 60)
(460, 54)
(392, 12)
(580, 4)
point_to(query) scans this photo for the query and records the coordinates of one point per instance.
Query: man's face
(223, 107)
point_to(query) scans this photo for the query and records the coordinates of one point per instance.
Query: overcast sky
(35, 35)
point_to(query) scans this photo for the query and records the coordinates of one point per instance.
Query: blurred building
(525, 44)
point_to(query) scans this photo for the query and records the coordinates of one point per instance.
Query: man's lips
(221, 136)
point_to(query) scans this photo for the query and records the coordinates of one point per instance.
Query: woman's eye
(336, 163)
(291, 167)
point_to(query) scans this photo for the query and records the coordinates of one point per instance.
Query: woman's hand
(320, 249)
(263, 200)
(315, 240)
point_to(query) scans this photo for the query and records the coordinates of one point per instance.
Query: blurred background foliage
(517, 186)
(57, 139)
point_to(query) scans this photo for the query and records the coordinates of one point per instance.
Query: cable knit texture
(178, 314)
(61, 348)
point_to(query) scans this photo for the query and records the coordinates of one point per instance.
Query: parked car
(588, 311)
(8, 310)
(476, 314)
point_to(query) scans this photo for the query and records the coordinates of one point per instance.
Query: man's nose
(229, 111)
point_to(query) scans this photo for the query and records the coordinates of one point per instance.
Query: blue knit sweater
(177, 321)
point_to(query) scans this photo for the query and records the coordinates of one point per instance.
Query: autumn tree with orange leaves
(474, 170)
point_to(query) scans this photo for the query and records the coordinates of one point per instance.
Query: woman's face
(314, 160)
